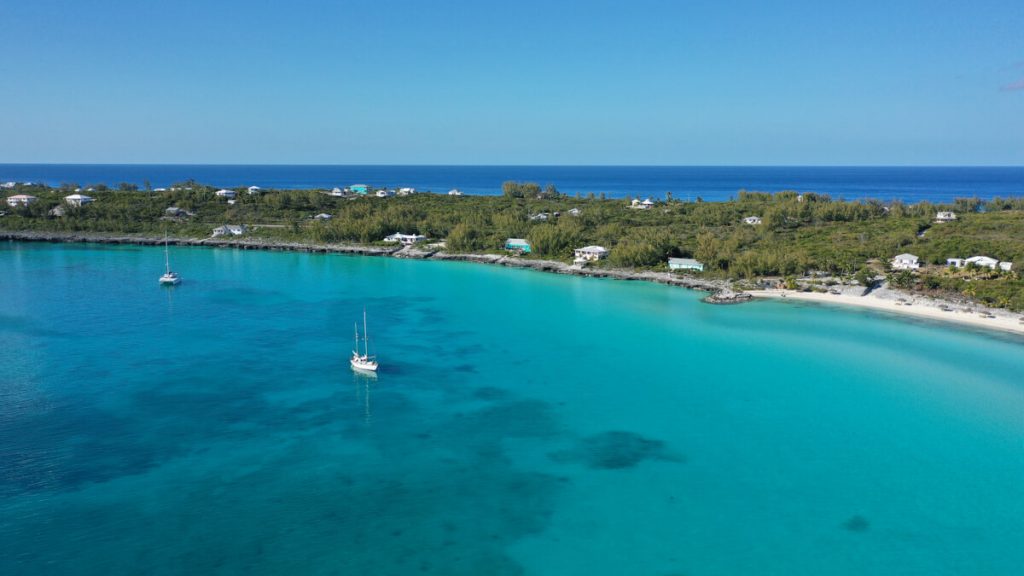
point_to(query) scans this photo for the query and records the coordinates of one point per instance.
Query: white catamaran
(169, 278)
(363, 361)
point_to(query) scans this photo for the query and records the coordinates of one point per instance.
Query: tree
(463, 238)
(865, 277)
(511, 189)
(904, 279)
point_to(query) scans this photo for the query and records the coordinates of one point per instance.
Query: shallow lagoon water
(522, 423)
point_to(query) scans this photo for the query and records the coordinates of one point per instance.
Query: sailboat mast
(366, 335)
(167, 255)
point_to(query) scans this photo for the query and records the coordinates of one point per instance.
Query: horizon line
(514, 165)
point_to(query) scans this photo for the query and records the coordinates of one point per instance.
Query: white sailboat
(363, 361)
(169, 278)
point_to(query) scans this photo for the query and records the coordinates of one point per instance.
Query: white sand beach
(909, 305)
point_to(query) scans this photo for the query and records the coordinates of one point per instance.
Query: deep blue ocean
(522, 424)
(910, 184)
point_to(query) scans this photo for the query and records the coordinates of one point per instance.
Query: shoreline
(882, 299)
(408, 252)
(916, 306)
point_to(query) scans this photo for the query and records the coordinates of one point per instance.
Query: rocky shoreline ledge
(408, 252)
(727, 296)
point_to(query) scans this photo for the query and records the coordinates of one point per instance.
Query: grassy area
(799, 234)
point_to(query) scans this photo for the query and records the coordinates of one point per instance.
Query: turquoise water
(522, 423)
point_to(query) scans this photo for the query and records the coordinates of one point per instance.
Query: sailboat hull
(363, 363)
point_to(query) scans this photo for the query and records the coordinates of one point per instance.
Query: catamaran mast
(167, 256)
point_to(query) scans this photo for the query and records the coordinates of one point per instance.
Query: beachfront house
(405, 239)
(455, 192)
(945, 217)
(254, 190)
(225, 193)
(519, 245)
(337, 192)
(361, 189)
(752, 220)
(384, 193)
(906, 262)
(230, 230)
(20, 200)
(641, 205)
(78, 200)
(590, 254)
(406, 191)
(685, 264)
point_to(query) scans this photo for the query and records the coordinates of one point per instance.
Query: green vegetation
(799, 234)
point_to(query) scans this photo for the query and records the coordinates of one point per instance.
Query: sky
(528, 82)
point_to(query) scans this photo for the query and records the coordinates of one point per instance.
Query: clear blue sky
(525, 82)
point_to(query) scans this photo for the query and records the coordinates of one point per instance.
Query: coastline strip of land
(884, 300)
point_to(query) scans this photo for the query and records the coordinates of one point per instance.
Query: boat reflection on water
(362, 381)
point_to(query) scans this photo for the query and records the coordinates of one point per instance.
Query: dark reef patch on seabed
(616, 449)
(857, 524)
(450, 504)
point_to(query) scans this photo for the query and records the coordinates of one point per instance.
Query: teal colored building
(518, 244)
(359, 188)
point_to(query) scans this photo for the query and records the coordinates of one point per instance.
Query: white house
(906, 262)
(685, 264)
(982, 262)
(254, 190)
(78, 200)
(644, 205)
(541, 217)
(385, 193)
(455, 192)
(752, 220)
(1006, 266)
(230, 230)
(406, 191)
(20, 200)
(956, 262)
(337, 192)
(590, 253)
(945, 217)
(575, 212)
(322, 216)
(225, 193)
(405, 239)
(8, 185)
